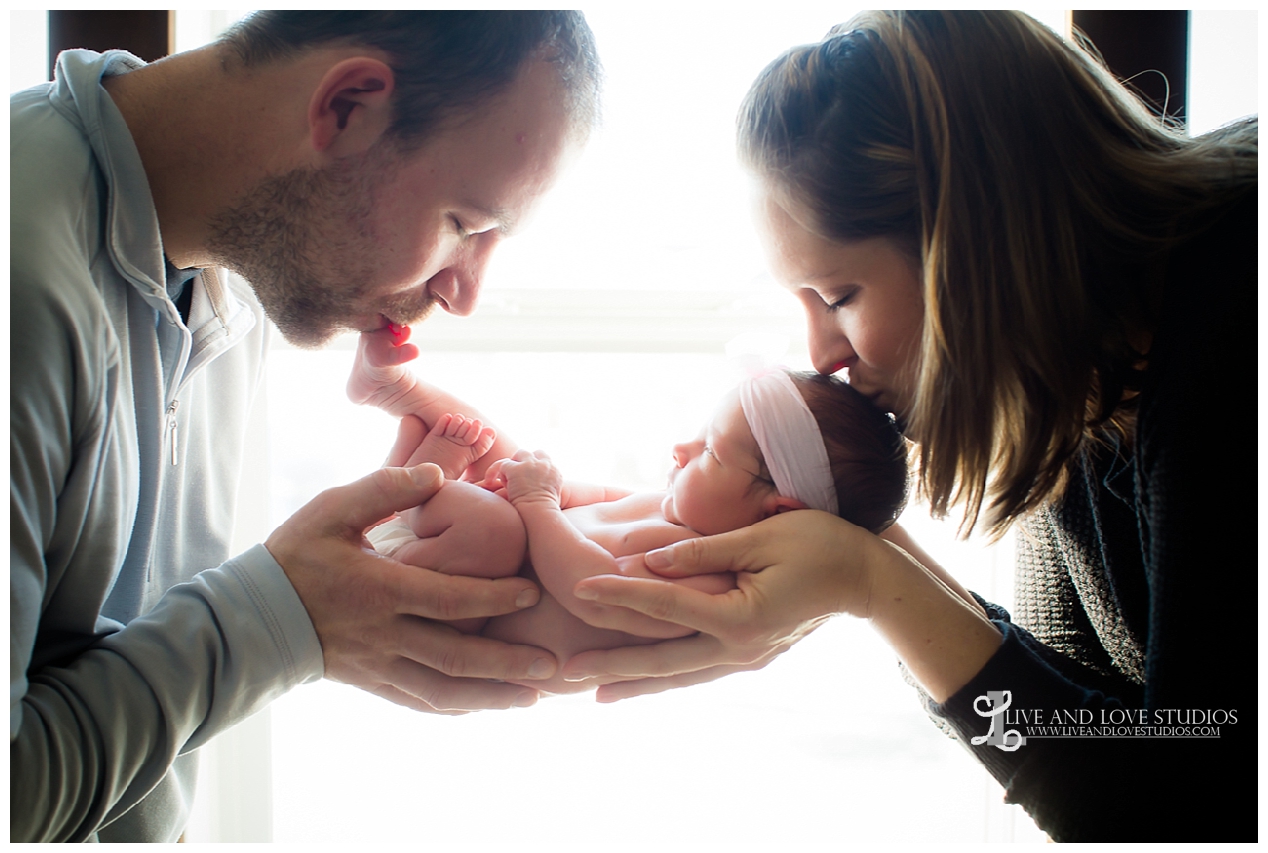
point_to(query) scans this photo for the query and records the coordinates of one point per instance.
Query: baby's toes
(483, 441)
(456, 428)
(442, 425)
(471, 433)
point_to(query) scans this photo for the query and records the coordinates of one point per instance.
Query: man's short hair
(446, 63)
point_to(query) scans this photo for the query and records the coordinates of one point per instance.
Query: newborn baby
(778, 443)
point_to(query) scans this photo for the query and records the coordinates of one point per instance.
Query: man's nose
(458, 285)
(830, 349)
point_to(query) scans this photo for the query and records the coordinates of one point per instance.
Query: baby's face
(714, 485)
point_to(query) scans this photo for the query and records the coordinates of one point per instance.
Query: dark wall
(1135, 45)
(146, 33)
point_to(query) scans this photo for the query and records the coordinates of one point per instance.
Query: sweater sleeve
(1172, 756)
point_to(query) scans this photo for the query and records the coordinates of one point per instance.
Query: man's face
(385, 236)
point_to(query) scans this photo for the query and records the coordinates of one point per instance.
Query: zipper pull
(172, 428)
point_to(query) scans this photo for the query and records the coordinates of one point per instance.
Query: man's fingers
(436, 692)
(369, 500)
(303, 544)
(668, 602)
(408, 700)
(725, 552)
(447, 598)
(463, 656)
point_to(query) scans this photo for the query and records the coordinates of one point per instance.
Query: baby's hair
(866, 451)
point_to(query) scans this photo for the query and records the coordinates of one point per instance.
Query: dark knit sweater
(1137, 590)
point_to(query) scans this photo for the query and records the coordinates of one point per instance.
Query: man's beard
(305, 241)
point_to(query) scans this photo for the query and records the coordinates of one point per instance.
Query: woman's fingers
(726, 552)
(662, 600)
(672, 657)
(793, 572)
(619, 690)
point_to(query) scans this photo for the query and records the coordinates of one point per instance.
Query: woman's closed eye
(461, 230)
(841, 301)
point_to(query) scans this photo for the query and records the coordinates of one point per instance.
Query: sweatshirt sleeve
(93, 734)
(99, 711)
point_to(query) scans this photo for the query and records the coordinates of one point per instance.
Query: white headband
(789, 439)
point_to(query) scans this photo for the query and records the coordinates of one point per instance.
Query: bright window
(604, 338)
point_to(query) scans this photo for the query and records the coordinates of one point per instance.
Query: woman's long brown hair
(1041, 199)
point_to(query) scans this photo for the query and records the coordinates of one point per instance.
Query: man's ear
(775, 504)
(352, 106)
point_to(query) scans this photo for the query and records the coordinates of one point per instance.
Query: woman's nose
(830, 349)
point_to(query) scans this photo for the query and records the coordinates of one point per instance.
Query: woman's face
(863, 302)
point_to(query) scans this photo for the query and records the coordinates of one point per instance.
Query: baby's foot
(454, 443)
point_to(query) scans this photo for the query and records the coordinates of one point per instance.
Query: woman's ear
(351, 107)
(775, 504)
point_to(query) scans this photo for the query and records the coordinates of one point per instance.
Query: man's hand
(374, 616)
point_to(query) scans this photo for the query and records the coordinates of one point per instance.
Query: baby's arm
(570, 494)
(533, 486)
(380, 378)
(584, 494)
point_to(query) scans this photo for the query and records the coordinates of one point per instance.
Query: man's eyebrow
(506, 222)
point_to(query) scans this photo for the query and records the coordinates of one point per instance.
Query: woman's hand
(794, 571)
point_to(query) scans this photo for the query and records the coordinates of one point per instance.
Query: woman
(1056, 294)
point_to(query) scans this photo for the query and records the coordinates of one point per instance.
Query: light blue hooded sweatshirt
(127, 429)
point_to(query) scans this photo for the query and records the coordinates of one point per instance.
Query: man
(357, 169)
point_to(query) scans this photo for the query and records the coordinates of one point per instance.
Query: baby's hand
(528, 478)
(379, 376)
(493, 479)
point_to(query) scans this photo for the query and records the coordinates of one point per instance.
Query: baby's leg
(465, 530)
(453, 443)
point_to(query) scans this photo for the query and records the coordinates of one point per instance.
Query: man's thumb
(389, 490)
